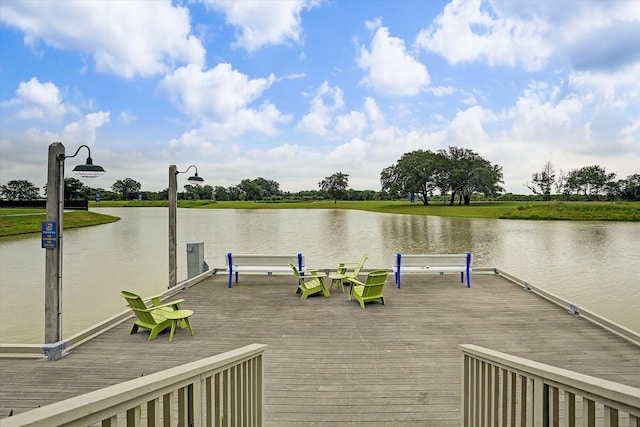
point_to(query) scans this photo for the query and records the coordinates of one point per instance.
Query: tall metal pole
(53, 257)
(173, 208)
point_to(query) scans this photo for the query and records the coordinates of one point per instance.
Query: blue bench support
(398, 268)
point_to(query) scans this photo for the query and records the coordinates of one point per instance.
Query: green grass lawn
(22, 221)
(577, 211)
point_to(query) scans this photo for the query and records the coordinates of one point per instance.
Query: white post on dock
(173, 211)
(55, 218)
(53, 257)
(173, 207)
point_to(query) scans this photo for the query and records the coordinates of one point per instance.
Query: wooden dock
(330, 363)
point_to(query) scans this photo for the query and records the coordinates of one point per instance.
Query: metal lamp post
(52, 234)
(173, 209)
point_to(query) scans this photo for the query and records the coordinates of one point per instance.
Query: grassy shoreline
(23, 221)
(573, 211)
(16, 222)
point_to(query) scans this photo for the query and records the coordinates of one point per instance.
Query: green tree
(206, 192)
(104, 194)
(465, 172)
(630, 188)
(235, 193)
(221, 194)
(251, 190)
(455, 173)
(19, 189)
(542, 182)
(416, 172)
(198, 192)
(305, 195)
(164, 194)
(335, 186)
(74, 189)
(613, 189)
(128, 188)
(269, 187)
(190, 192)
(590, 181)
(362, 194)
(150, 195)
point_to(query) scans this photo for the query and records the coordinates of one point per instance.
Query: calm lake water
(593, 264)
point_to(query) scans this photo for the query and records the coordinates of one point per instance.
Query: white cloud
(473, 31)
(219, 98)
(390, 69)
(127, 118)
(261, 23)
(24, 154)
(352, 124)
(373, 112)
(609, 47)
(538, 115)
(613, 89)
(442, 90)
(125, 38)
(84, 131)
(320, 118)
(261, 120)
(42, 101)
(630, 135)
(590, 35)
(324, 120)
(579, 107)
(470, 100)
(583, 30)
(467, 128)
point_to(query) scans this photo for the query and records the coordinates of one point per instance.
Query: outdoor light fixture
(173, 209)
(194, 179)
(52, 230)
(88, 170)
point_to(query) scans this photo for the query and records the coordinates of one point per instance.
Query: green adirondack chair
(371, 290)
(352, 270)
(149, 313)
(309, 285)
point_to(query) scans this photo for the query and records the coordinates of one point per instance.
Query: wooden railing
(503, 390)
(572, 308)
(55, 351)
(222, 390)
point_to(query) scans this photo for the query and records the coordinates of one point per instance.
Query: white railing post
(503, 390)
(539, 406)
(221, 390)
(464, 407)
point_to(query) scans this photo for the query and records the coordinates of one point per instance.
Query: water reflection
(595, 265)
(423, 234)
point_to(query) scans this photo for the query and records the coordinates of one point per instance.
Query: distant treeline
(439, 177)
(42, 204)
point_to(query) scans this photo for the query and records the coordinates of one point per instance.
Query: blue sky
(294, 91)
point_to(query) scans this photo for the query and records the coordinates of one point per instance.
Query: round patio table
(337, 280)
(181, 316)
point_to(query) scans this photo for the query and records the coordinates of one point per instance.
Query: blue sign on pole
(97, 197)
(49, 235)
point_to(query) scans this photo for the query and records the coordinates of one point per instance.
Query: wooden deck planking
(330, 362)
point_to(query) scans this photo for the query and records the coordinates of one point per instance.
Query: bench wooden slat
(261, 263)
(433, 263)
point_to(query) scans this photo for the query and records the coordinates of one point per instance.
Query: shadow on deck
(329, 362)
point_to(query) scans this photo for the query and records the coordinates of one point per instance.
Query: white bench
(433, 263)
(257, 264)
